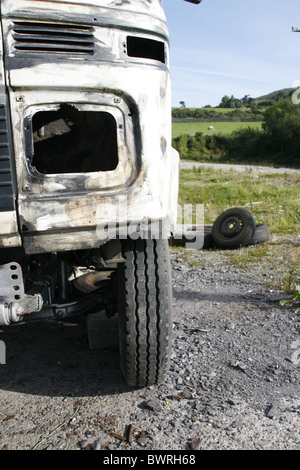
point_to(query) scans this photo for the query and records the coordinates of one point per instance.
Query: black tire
(261, 234)
(145, 311)
(208, 242)
(233, 228)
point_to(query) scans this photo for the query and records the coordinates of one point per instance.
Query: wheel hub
(231, 226)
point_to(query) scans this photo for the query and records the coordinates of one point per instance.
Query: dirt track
(233, 381)
(187, 165)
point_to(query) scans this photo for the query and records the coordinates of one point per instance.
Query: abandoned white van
(88, 177)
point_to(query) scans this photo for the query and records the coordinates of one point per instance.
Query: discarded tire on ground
(208, 242)
(145, 311)
(261, 234)
(233, 228)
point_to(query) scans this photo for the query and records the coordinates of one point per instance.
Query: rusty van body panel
(90, 71)
(86, 168)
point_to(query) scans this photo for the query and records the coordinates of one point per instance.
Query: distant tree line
(246, 107)
(232, 102)
(210, 113)
(277, 143)
(234, 105)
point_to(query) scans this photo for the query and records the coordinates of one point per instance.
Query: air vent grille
(53, 38)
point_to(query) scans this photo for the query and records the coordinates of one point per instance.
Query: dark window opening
(72, 141)
(146, 48)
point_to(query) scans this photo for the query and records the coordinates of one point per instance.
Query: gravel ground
(233, 381)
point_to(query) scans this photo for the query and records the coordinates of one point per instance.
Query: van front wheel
(145, 311)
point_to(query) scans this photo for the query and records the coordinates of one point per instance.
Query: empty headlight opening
(71, 141)
(146, 49)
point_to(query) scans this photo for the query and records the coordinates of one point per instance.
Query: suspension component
(14, 303)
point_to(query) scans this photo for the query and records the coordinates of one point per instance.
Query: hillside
(252, 109)
(240, 110)
(275, 96)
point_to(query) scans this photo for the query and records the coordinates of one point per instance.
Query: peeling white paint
(9, 235)
(134, 90)
(141, 14)
(8, 223)
(46, 222)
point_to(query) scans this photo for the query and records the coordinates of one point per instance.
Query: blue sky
(232, 47)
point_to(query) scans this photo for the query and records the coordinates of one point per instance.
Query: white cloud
(219, 73)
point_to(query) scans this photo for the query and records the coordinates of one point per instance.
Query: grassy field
(190, 128)
(272, 199)
(229, 110)
(222, 110)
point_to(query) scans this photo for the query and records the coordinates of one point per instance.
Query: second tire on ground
(233, 228)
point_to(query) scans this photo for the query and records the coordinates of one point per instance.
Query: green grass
(230, 110)
(221, 110)
(190, 128)
(272, 199)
